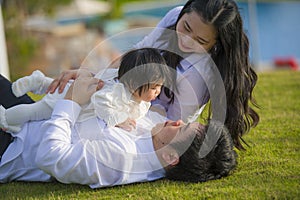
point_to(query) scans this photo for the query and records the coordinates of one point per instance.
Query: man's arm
(82, 161)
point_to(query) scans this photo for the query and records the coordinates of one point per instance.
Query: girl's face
(194, 36)
(150, 94)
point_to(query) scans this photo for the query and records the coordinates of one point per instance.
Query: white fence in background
(4, 69)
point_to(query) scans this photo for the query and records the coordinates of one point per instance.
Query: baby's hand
(128, 125)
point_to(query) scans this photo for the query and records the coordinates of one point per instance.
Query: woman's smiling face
(195, 36)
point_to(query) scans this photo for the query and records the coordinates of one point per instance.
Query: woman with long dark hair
(190, 38)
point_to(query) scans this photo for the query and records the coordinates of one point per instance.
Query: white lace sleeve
(111, 104)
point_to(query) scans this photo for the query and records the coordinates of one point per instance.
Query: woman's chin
(185, 49)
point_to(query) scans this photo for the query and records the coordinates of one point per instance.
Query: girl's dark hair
(231, 56)
(141, 67)
(218, 163)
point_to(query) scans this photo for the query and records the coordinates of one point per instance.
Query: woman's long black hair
(231, 56)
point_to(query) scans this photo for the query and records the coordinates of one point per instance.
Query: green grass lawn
(269, 169)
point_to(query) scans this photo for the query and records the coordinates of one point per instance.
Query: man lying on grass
(89, 153)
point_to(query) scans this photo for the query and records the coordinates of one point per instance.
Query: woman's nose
(187, 40)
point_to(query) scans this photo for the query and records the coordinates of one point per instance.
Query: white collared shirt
(192, 75)
(83, 153)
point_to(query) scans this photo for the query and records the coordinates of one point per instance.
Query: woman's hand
(83, 88)
(64, 78)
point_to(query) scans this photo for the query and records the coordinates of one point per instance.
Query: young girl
(119, 103)
(190, 36)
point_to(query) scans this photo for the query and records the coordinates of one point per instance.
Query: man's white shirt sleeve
(79, 162)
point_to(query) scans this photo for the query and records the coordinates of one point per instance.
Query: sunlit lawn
(269, 169)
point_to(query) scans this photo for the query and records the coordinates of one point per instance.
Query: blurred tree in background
(30, 7)
(117, 7)
(21, 46)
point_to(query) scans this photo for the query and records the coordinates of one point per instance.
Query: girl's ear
(172, 158)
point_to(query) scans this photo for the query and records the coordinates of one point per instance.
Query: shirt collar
(192, 60)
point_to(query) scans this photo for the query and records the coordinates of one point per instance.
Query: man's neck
(158, 148)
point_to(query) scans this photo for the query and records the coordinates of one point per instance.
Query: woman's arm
(62, 80)
(67, 75)
(152, 40)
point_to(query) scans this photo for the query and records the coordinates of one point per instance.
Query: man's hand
(83, 88)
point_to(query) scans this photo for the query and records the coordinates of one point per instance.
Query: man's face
(173, 131)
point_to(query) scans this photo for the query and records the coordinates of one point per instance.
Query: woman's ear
(171, 158)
